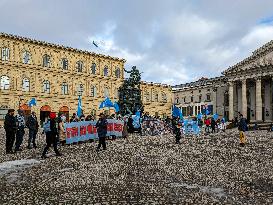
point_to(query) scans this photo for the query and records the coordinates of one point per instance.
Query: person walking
(20, 123)
(101, 126)
(207, 123)
(212, 125)
(10, 129)
(33, 127)
(50, 129)
(242, 127)
(176, 130)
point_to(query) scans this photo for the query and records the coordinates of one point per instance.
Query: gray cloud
(170, 41)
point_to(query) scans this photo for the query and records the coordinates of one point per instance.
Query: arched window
(79, 66)
(156, 97)
(46, 61)
(80, 89)
(64, 89)
(106, 92)
(64, 64)
(105, 71)
(117, 73)
(93, 91)
(5, 54)
(147, 96)
(4, 82)
(164, 97)
(26, 85)
(26, 57)
(93, 68)
(46, 86)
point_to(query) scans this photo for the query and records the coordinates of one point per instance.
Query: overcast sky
(170, 41)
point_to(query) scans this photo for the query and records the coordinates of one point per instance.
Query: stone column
(259, 99)
(230, 93)
(244, 98)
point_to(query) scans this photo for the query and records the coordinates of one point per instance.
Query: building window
(208, 97)
(147, 96)
(208, 90)
(199, 91)
(106, 92)
(184, 99)
(191, 98)
(80, 89)
(164, 97)
(156, 97)
(46, 86)
(64, 89)
(200, 98)
(26, 85)
(64, 64)
(117, 73)
(79, 66)
(5, 54)
(105, 71)
(93, 92)
(26, 57)
(46, 61)
(177, 100)
(4, 83)
(93, 68)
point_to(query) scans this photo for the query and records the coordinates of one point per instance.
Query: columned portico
(259, 105)
(244, 98)
(230, 92)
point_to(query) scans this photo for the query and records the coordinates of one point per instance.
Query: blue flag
(79, 110)
(177, 112)
(32, 102)
(199, 116)
(116, 106)
(106, 103)
(215, 116)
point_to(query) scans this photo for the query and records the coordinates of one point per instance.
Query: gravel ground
(210, 169)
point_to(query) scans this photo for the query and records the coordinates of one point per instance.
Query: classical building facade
(250, 85)
(193, 98)
(156, 98)
(55, 76)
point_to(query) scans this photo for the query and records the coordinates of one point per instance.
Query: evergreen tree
(130, 93)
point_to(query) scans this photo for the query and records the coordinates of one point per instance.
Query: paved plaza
(210, 169)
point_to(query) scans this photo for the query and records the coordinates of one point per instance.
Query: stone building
(55, 76)
(156, 98)
(193, 98)
(250, 85)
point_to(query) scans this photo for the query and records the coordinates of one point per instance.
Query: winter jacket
(10, 123)
(101, 126)
(242, 126)
(32, 123)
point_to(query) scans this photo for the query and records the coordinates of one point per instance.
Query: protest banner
(86, 130)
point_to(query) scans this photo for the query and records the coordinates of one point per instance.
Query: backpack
(47, 126)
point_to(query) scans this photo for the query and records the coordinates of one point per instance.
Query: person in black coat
(101, 126)
(213, 124)
(51, 136)
(10, 128)
(130, 125)
(33, 127)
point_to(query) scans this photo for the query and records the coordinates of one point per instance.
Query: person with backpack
(50, 129)
(33, 127)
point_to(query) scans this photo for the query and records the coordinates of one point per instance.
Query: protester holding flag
(51, 131)
(101, 126)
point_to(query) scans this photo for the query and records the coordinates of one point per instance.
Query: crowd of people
(55, 128)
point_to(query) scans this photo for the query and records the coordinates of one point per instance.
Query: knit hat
(52, 115)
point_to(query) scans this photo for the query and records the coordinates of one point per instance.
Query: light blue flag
(215, 116)
(106, 103)
(177, 112)
(32, 102)
(199, 116)
(79, 110)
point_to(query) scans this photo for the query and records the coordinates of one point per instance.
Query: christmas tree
(130, 93)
